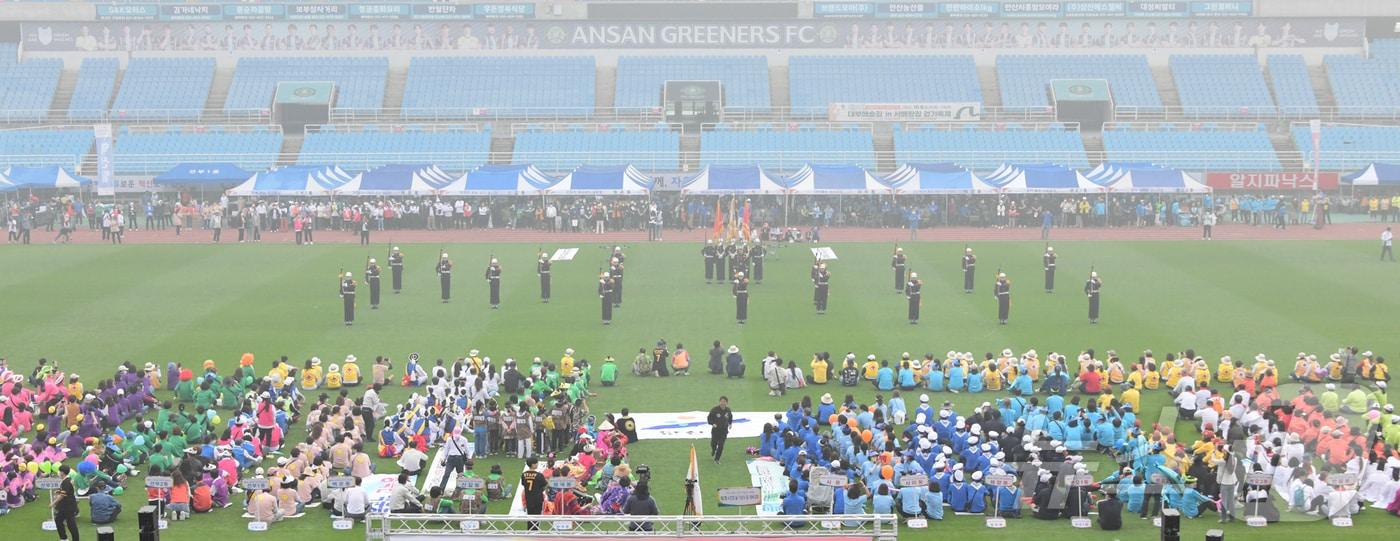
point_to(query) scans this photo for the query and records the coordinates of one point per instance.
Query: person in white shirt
(1186, 404)
(458, 450)
(412, 460)
(1186, 384)
(356, 501)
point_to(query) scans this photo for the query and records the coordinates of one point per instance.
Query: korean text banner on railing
(298, 11)
(328, 35)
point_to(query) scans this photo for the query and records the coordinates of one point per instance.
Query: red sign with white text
(1273, 180)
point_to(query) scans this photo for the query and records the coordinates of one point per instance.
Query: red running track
(1348, 231)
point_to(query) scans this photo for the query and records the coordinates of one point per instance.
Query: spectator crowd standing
(247, 219)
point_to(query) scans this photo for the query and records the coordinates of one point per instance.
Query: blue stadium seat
(1364, 87)
(359, 82)
(1192, 147)
(155, 150)
(564, 149)
(1292, 85)
(1225, 85)
(1025, 79)
(43, 147)
(1349, 147)
(786, 148)
(364, 147)
(816, 81)
(97, 78)
(983, 147)
(453, 86)
(745, 79)
(156, 88)
(27, 88)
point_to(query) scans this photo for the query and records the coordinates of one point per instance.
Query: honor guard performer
(741, 298)
(615, 270)
(605, 293)
(1091, 290)
(731, 254)
(396, 268)
(347, 295)
(711, 255)
(816, 269)
(756, 255)
(372, 278)
(493, 279)
(543, 271)
(969, 267)
(823, 285)
(898, 263)
(444, 272)
(617, 254)
(741, 260)
(913, 290)
(1003, 293)
(1049, 261)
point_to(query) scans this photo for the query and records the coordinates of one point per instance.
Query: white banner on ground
(767, 475)
(379, 488)
(824, 254)
(692, 425)
(564, 254)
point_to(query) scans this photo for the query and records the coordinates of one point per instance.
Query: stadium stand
(1349, 146)
(564, 147)
(1025, 79)
(1385, 48)
(359, 82)
(787, 147)
(27, 88)
(454, 86)
(30, 147)
(164, 88)
(983, 147)
(1192, 146)
(367, 146)
(1292, 87)
(744, 78)
(1364, 87)
(816, 81)
(97, 77)
(155, 149)
(1221, 85)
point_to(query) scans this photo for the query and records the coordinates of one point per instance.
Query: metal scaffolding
(393, 527)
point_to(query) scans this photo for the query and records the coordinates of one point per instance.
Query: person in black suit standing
(1003, 294)
(396, 268)
(719, 419)
(741, 298)
(347, 295)
(1091, 290)
(913, 290)
(444, 272)
(711, 255)
(823, 285)
(543, 270)
(898, 263)
(493, 279)
(1048, 261)
(605, 294)
(969, 268)
(372, 279)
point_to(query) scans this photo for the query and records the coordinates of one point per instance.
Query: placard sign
(251, 483)
(342, 524)
(1081, 480)
(257, 526)
(562, 483)
(917, 523)
(740, 496)
(996, 522)
(833, 480)
(913, 481)
(48, 483)
(471, 483)
(1259, 478)
(1081, 522)
(1342, 480)
(159, 482)
(340, 482)
(1001, 480)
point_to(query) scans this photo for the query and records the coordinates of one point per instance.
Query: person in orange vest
(680, 361)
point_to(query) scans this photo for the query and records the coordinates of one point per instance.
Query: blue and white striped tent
(1144, 178)
(834, 179)
(742, 179)
(603, 180)
(937, 178)
(501, 180)
(1040, 178)
(303, 180)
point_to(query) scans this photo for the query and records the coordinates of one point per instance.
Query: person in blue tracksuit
(955, 377)
(933, 501)
(1008, 500)
(934, 380)
(957, 493)
(884, 378)
(883, 502)
(976, 494)
(911, 501)
(794, 504)
(855, 498)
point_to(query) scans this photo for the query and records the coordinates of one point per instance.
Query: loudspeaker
(106, 533)
(1171, 525)
(1215, 535)
(148, 518)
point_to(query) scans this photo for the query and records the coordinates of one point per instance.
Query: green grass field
(91, 307)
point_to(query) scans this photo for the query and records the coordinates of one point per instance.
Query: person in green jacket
(1329, 400)
(206, 397)
(608, 375)
(1355, 402)
(185, 390)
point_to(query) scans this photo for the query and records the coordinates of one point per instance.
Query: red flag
(719, 219)
(746, 219)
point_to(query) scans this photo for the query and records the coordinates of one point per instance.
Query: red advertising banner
(1272, 180)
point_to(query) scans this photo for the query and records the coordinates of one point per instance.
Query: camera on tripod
(644, 474)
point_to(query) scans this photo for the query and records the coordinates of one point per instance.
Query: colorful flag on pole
(694, 506)
(733, 217)
(746, 219)
(719, 219)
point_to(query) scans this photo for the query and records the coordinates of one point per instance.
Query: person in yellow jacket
(311, 375)
(1226, 372)
(1031, 364)
(1137, 376)
(474, 357)
(152, 375)
(1151, 380)
(820, 368)
(870, 369)
(1261, 362)
(75, 387)
(1131, 397)
(1115, 371)
(566, 363)
(991, 379)
(1380, 372)
(1105, 399)
(1365, 366)
(1334, 367)
(1171, 372)
(350, 371)
(278, 373)
(333, 378)
(1301, 370)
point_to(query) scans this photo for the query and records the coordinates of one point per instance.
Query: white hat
(568, 351)
(493, 261)
(913, 275)
(923, 398)
(898, 249)
(1006, 352)
(396, 248)
(335, 368)
(1261, 357)
(1330, 387)
(315, 361)
(350, 358)
(1093, 274)
(444, 255)
(734, 349)
(968, 249)
(1049, 248)
(371, 260)
(870, 357)
(835, 464)
(1001, 275)
(920, 418)
(977, 476)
